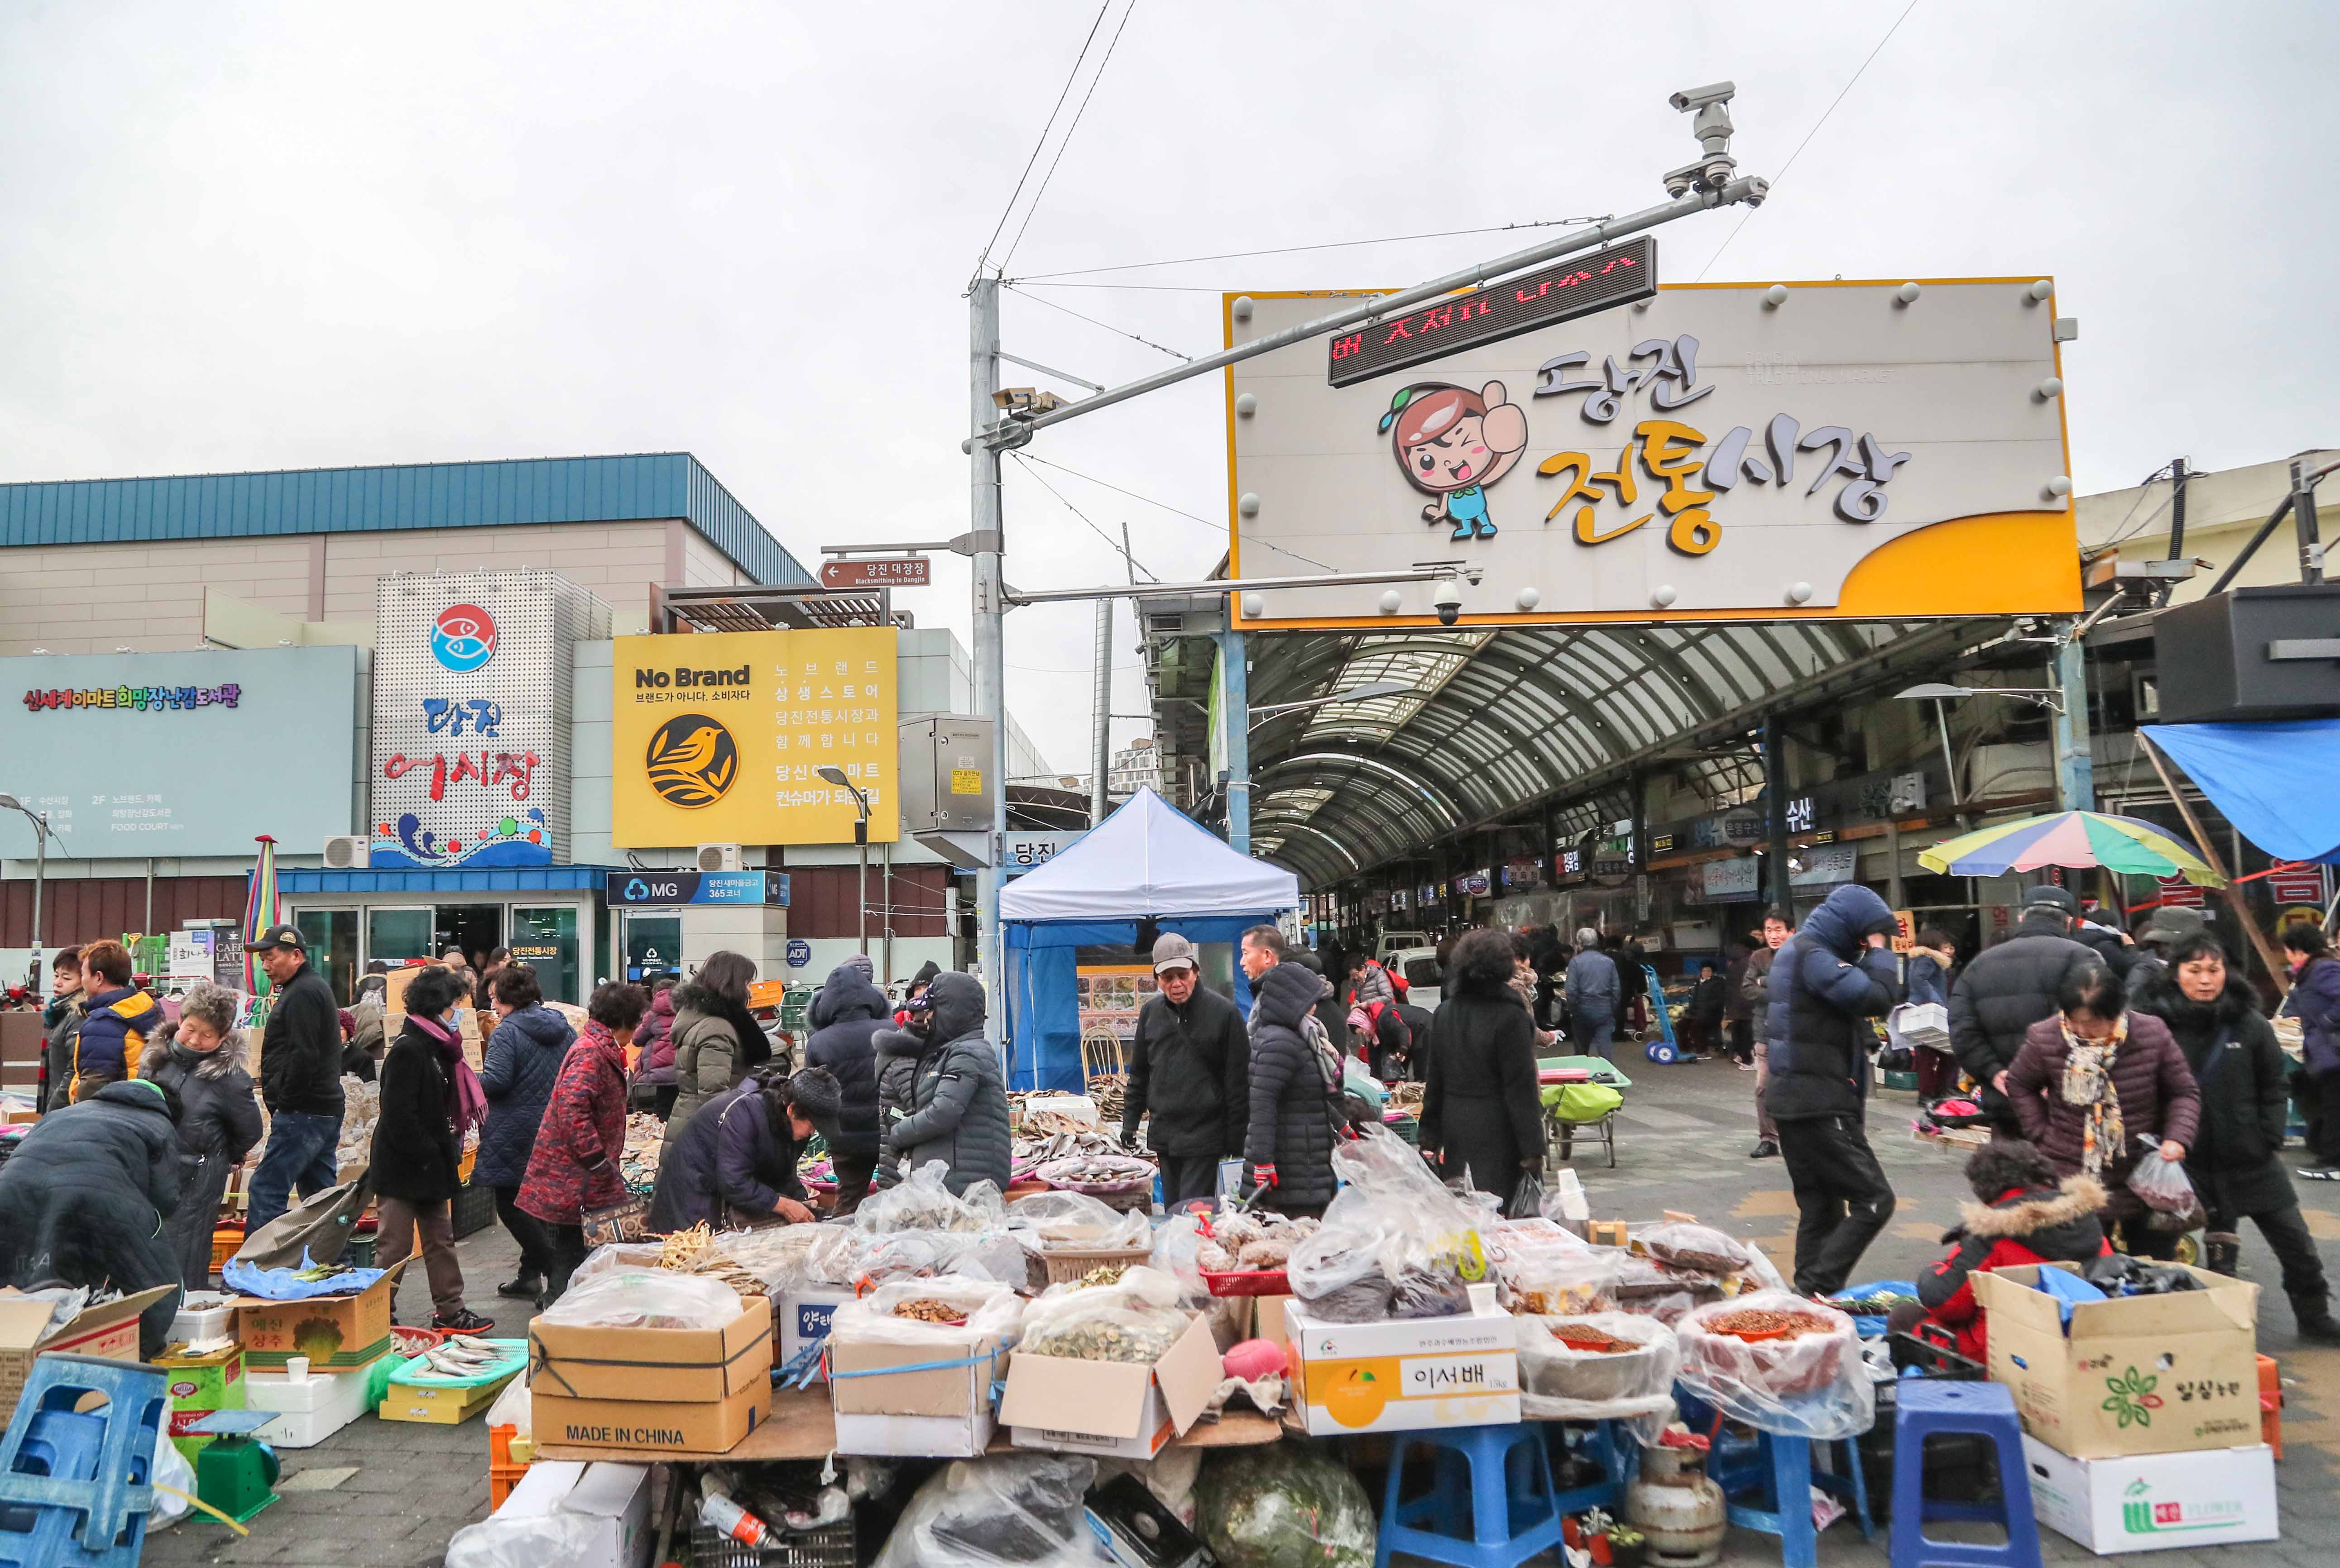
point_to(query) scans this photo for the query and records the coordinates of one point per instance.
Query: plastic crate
(225, 1242)
(830, 1546)
(474, 1208)
(503, 1471)
(359, 1253)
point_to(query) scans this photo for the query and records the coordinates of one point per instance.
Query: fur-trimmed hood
(2030, 1215)
(210, 1064)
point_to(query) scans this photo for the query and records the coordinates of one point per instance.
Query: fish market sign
(1856, 450)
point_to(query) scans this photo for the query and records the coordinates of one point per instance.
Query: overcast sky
(288, 236)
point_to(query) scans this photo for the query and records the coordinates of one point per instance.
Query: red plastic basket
(1247, 1282)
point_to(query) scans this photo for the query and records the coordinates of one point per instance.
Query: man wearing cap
(300, 1079)
(1190, 1066)
(2168, 925)
(2008, 989)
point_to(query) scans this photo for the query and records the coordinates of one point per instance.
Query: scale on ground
(236, 1473)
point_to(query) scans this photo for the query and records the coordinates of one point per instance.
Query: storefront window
(332, 938)
(653, 943)
(396, 935)
(546, 939)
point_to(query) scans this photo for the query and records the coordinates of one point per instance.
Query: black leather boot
(2221, 1253)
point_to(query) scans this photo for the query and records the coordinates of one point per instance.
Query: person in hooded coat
(1480, 1118)
(516, 1070)
(2022, 1212)
(2243, 1075)
(1288, 1141)
(1827, 980)
(2315, 1001)
(846, 1019)
(716, 1040)
(418, 1146)
(737, 1163)
(219, 1118)
(653, 1075)
(956, 1108)
(85, 1198)
(2008, 987)
(575, 1167)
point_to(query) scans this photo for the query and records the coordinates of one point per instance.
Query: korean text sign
(719, 737)
(1703, 455)
(111, 747)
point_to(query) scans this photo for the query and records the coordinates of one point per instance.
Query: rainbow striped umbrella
(261, 910)
(2070, 838)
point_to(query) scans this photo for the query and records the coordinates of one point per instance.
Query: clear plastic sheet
(1136, 1319)
(1289, 1506)
(1812, 1385)
(1549, 1282)
(529, 1543)
(1561, 1383)
(1075, 1220)
(2163, 1184)
(1008, 1511)
(646, 1298)
(1698, 1248)
(1397, 1220)
(778, 1255)
(923, 1201)
(617, 1254)
(849, 1258)
(991, 1309)
(1174, 1246)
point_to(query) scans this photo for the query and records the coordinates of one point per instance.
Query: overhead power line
(1067, 139)
(1070, 77)
(1108, 326)
(1294, 249)
(1778, 178)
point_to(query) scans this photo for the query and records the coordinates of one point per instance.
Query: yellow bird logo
(692, 761)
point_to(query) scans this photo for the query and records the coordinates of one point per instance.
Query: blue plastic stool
(1499, 1476)
(74, 1489)
(1768, 1484)
(1925, 1406)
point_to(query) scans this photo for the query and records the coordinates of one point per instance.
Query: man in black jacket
(846, 1018)
(1828, 981)
(300, 1079)
(2006, 990)
(1190, 1067)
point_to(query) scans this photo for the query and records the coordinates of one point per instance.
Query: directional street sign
(878, 572)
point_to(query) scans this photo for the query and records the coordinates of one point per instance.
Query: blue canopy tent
(1148, 861)
(2273, 780)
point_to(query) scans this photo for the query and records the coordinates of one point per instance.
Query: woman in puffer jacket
(2097, 1087)
(716, 1040)
(2023, 1212)
(653, 1076)
(219, 1121)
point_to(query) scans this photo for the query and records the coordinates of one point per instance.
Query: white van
(1419, 965)
(1394, 941)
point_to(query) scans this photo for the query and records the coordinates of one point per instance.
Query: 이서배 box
(2135, 1374)
(2155, 1502)
(673, 1366)
(1406, 1375)
(1123, 1410)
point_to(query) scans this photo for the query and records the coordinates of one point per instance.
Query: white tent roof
(1148, 858)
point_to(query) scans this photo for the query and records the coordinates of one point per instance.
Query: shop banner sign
(1731, 878)
(2299, 884)
(473, 698)
(1865, 450)
(1826, 865)
(639, 889)
(1472, 884)
(1022, 851)
(177, 755)
(719, 737)
(2177, 893)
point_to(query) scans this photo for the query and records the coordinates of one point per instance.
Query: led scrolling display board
(1578, 286)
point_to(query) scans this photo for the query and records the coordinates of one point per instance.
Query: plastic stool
(1510, 1520)
(1779, 1471)
(74, 1489)
(1930, 1405)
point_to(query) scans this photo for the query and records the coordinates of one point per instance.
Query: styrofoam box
(204, 1322)
(309, 1411)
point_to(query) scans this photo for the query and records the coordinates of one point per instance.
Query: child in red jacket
(2023, 1213)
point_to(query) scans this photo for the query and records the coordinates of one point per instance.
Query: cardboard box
(333, 1331)
(200, 1385)
(2155, 1502)
(804, 1318)
(1605, 1232)
(653, 1366)
(944, 1411)
(1405, 1376)
(711, 1427)
(2140, 1375)
(617, 1497)
(1111, 1409)
(110, 1331)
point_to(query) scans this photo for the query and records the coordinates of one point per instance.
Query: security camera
(1449, 600)
(1700, 97)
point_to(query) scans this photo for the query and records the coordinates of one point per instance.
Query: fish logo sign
(692, 761)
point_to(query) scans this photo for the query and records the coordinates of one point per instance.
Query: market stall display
(1779, 1362)
(1598, 1366)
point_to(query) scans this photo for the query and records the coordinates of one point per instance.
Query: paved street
(389, 1495)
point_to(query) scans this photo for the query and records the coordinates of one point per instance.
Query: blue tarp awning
(2274, 781)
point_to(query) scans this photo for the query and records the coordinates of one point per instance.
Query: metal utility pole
(2076, 764)
(2302, 513)
(2177, 509)
(1100, 801)
(990, 610)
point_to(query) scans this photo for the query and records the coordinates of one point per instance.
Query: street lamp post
(831, 774)
(40, 821)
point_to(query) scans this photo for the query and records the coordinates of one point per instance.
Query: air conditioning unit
(717, 857)
(346, 852)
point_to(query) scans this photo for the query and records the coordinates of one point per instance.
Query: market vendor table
(801, 1426)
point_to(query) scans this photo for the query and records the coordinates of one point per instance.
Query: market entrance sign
(878, 572)
(1859, 450)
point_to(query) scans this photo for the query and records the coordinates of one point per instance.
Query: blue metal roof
(644, 487)
(510, 879)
